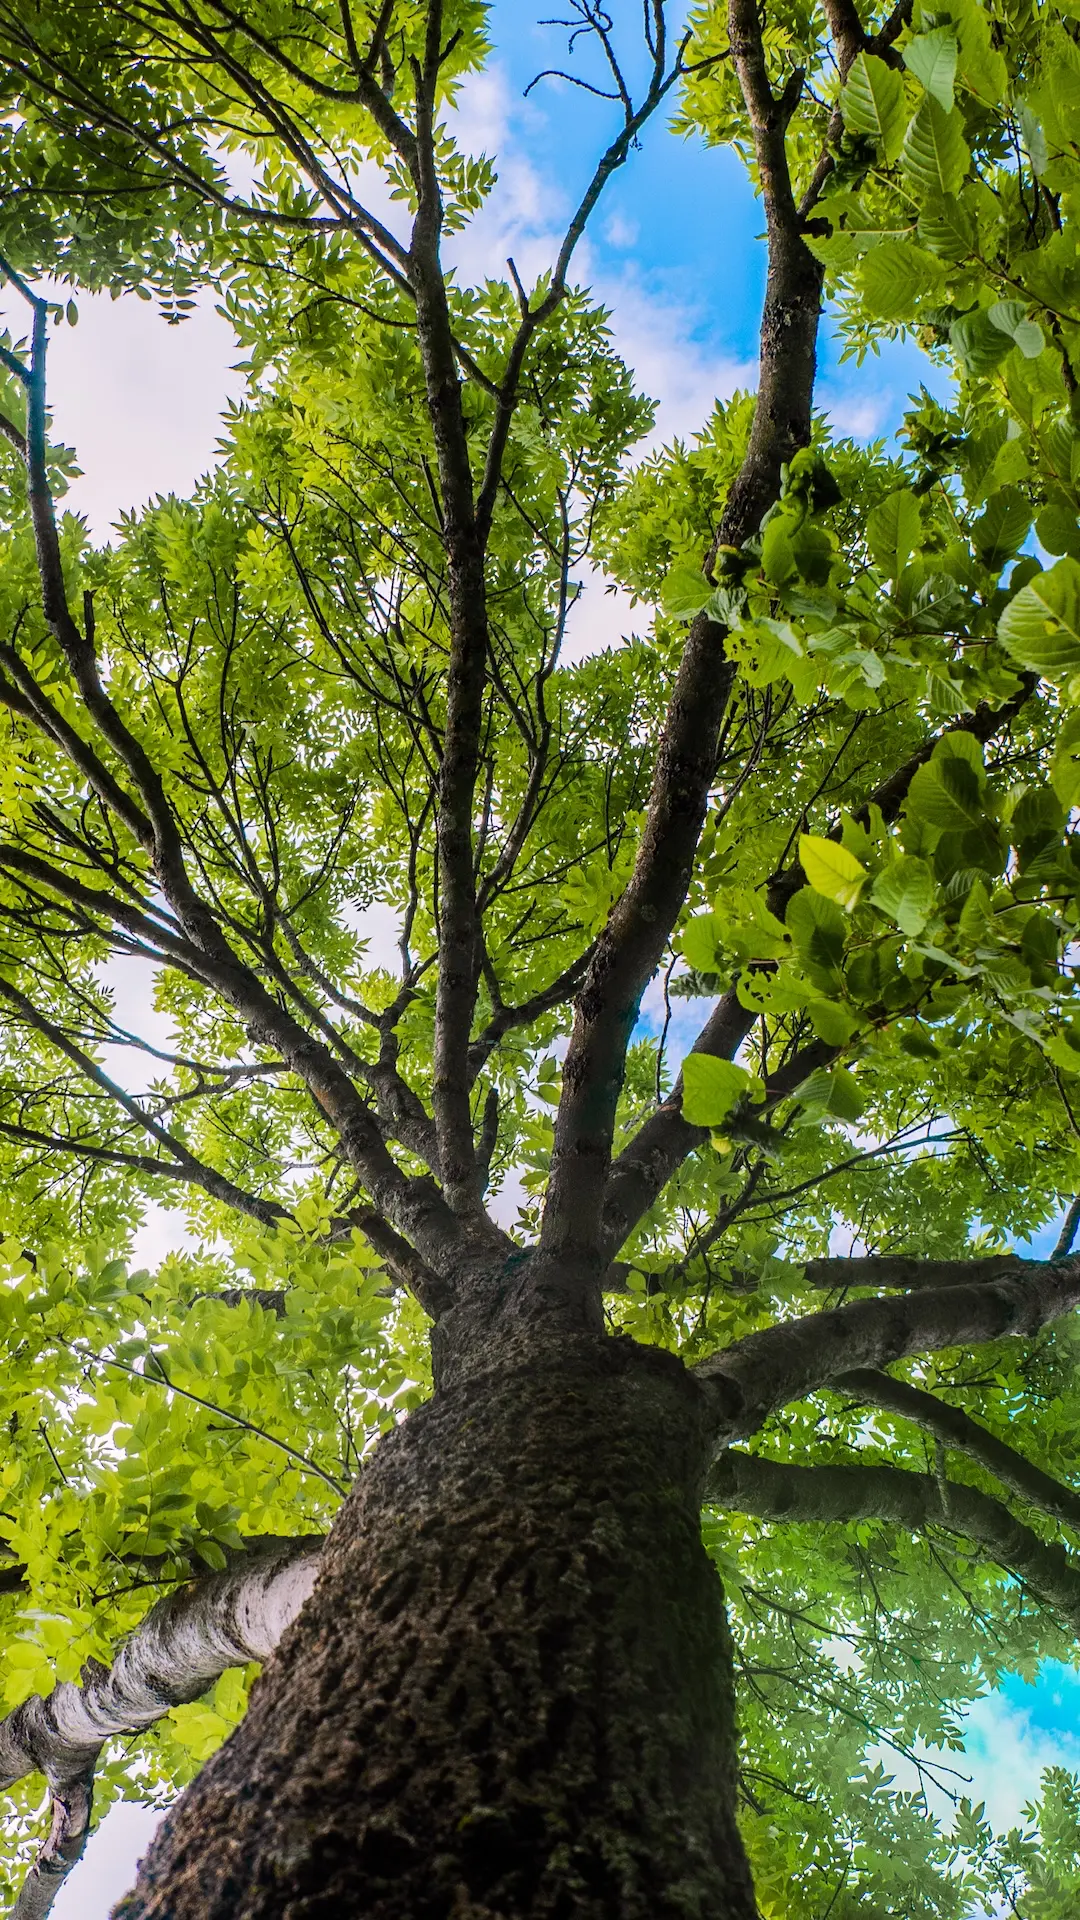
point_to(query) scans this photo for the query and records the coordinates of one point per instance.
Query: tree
(828, 800)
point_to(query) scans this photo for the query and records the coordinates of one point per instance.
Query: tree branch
(848, 40)
(772, 1490)
(414, 1206)
(533, 318)
(789, 319)
(1068, 1229)
(187, 1167)
(455, 993)
(184, 1644)
(267, 1212)
(36, 704)
(631, 945)
(908, 1273)
(955, 1428)
(765, 1371)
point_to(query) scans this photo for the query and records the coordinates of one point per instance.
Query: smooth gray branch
(773, 1490)
(782, 1363)
(954, 1428)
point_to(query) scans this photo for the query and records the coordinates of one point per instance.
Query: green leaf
(684, 592)
(1040, 627)
(906, 891)
(835, 1093)
(832, 1022)
(1002, 527)
(813, 552)
(946, 793)
(740, 925)
(893, 531)
(711, 1088)
(832, 870)
(699, 940)
(979, 345)
(777, 548)
(819, 930)
(919, 1045)
(935, 155)
(1065, 765)
(896, 275)
(1011, 318)
(931, 57)
(873, 103)
(1057, 528)
(961, 744)
(947, 228)
(1034, 137)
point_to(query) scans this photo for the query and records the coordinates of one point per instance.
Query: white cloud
(162, 1231)
(380, 925)
(1006, 1753)
(656, 338)
(525, 219)
(525, 215)
(140, 401)
(603, 615)
(133, 983)
(688, 1016)
(859, 415)
(621, 232)
(505, 1204)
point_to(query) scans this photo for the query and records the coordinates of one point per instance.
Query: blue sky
(674, 251)
(679, 220)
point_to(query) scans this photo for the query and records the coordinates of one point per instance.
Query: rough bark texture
(510, 1693)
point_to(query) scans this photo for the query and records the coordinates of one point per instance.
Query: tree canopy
(824, 799)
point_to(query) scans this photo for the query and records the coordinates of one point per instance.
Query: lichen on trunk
(510, 1693)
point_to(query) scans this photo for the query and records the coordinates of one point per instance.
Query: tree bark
(510, 1693)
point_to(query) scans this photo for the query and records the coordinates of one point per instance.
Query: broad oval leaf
(834, 1093)
(1011, 317)
(906, 891)
(896, 275)
(1002, 527)
(1065, 766)
(873, 103)
(946, 793)
(819, 930)
(893, 531)
(684, 592)
(931, 57)
(711, 1088)
(831, 869)
(947, 228)
(978, 343)
(699, 940)
(935, 155)
(833, 1022)
(1040, 627)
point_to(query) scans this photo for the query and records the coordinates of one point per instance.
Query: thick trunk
(510, 1693)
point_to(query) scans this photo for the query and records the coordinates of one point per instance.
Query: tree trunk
(510, 1693)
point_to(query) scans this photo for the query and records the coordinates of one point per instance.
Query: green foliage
(874, 103)
(279, 642)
